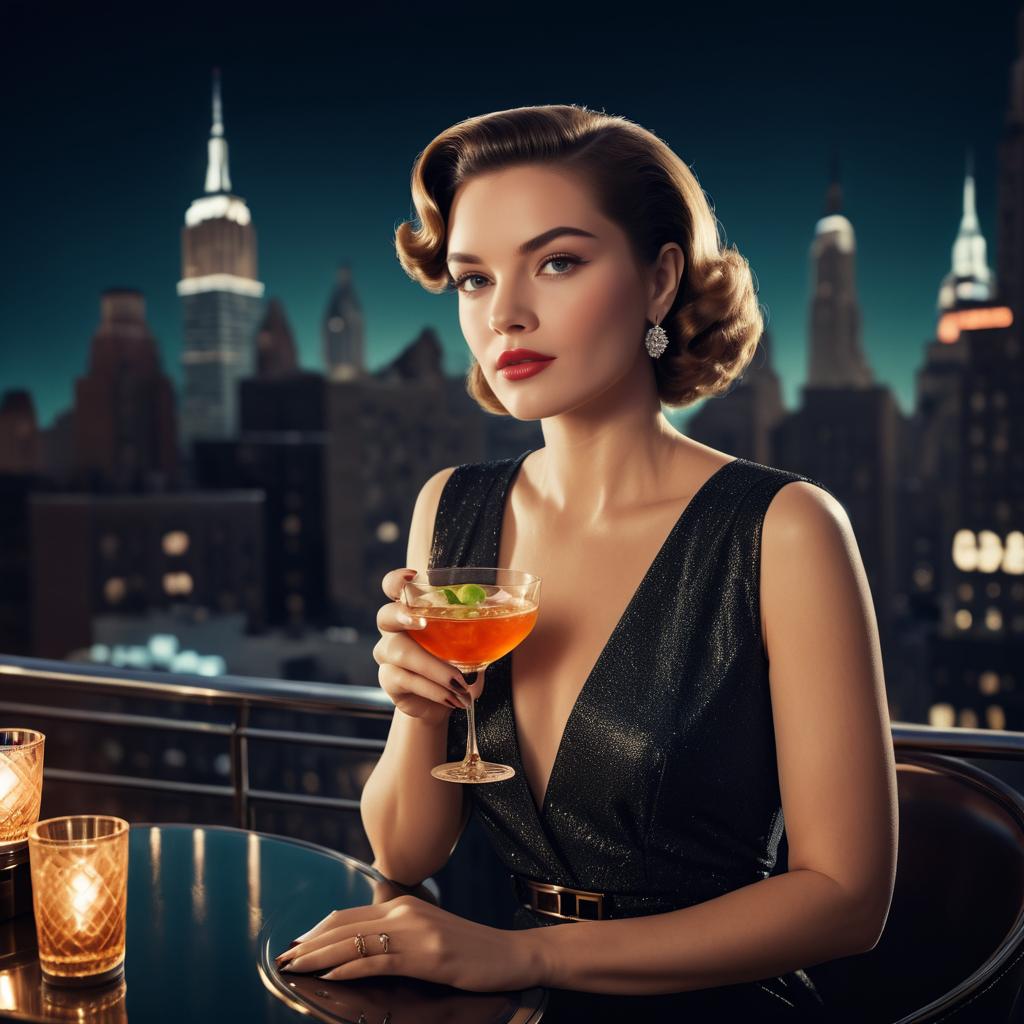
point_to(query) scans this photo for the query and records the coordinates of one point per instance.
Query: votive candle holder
(80, 894)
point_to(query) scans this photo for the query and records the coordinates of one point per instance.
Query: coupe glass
(474, 616)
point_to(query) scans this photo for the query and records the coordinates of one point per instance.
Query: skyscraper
(343, 330)
(837, 360)
(275, 344)
(124, 418)
(1010, 258)
(221, 297)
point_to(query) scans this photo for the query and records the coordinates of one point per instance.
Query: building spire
(834, 196)
(218, 179)
(969, 279)
(218, 112)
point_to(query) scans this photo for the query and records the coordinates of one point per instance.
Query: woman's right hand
(420, 684)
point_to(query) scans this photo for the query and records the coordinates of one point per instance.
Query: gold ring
(360, 944)
(384, 939)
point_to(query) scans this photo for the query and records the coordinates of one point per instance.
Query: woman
(706, 659)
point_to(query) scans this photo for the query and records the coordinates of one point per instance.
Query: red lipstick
(517, 355)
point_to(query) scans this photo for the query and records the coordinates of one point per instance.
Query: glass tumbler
(21, 782)
(80, 894)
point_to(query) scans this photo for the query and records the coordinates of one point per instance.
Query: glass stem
(472, 753)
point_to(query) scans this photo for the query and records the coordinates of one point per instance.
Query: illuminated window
(968, 718)
(963, 618)
(387, 532)
(993, 619)
(114, 589)
(995, 717)
(177, 583)
(1013, 553)
(942, 716)
(986, 551)
(965, 592)
(988, 683)
(175, 543)
(993, 589)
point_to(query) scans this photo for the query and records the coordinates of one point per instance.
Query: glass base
(83, 981)
(472, 771)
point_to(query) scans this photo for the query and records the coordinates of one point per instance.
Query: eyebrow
(527, 247)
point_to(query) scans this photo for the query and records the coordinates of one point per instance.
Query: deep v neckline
(644, 583)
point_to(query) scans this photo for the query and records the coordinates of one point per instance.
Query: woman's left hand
(424, 941)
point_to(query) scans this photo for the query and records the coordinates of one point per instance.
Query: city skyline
(770, 214)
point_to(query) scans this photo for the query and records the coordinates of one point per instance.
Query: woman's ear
(665, 279)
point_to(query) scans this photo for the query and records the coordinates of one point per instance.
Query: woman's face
(577, 297)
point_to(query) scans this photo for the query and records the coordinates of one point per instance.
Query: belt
(561, 901)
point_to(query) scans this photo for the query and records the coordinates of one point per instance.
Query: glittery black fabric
(664, 791)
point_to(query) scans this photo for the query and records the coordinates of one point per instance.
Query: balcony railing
(29, 686)
(29, 689)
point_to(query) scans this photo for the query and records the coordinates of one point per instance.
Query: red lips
(516, 355)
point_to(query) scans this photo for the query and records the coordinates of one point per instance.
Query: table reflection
(208, 908)
(24, 994)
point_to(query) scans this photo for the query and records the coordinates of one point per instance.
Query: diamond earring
(656, 341)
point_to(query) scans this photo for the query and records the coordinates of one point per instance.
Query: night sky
(107, 113)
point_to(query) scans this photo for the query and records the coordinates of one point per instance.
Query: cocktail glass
(474, 617)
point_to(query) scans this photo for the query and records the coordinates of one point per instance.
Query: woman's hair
(640, 184)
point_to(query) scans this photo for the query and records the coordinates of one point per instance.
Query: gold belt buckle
(564, 903)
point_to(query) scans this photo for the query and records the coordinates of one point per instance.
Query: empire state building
(221, 297)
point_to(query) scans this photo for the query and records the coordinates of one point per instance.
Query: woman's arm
(837, 778)
(411, 819)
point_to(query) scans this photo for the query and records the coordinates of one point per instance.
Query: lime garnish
(450, 594)
(471, 593)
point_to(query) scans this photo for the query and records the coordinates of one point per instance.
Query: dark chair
(953, 945)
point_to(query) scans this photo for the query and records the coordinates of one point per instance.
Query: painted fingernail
(459, 685)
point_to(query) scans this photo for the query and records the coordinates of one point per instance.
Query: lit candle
(79, 892)
(21, 782)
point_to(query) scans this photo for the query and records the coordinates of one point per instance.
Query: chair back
(953, 944)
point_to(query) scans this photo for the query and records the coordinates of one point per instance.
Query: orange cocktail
(475, 615)
(476, 636)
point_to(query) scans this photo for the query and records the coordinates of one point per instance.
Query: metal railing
(242, 694)
(239, 694)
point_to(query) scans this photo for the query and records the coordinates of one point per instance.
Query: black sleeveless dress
(664, 790)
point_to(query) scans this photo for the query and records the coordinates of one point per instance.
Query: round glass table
(209, 907)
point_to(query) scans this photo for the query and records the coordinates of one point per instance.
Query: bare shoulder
(807, 539)
(801, 508)
(424, 515)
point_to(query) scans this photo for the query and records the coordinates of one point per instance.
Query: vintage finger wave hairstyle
(640, 184)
